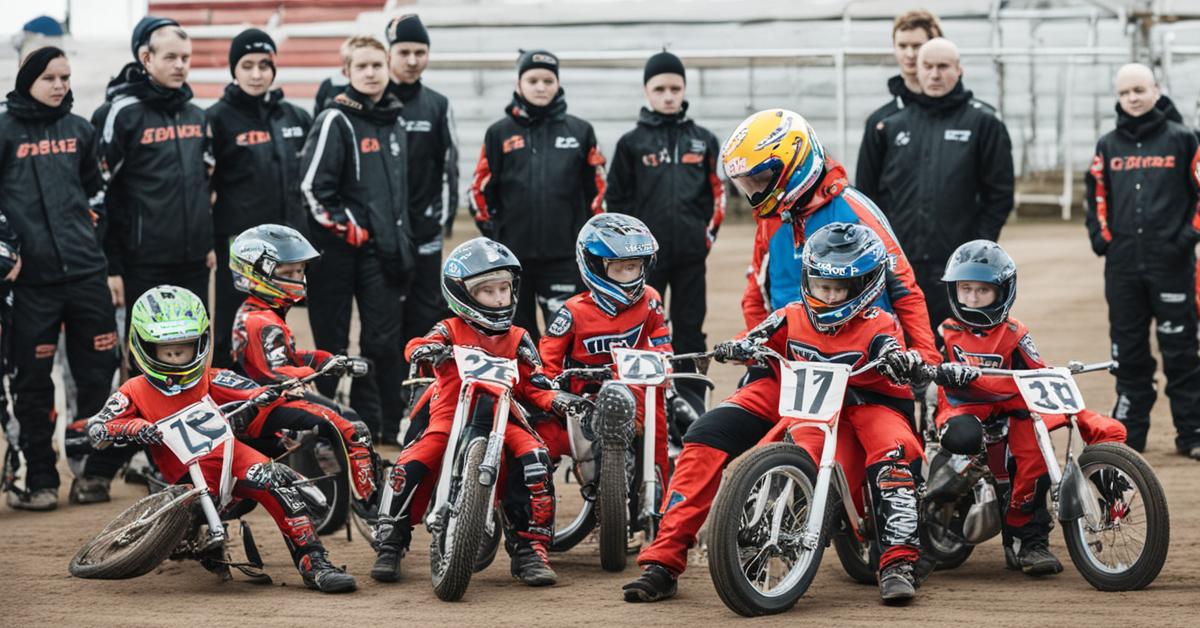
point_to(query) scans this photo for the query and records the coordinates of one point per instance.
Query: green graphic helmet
(169, 315)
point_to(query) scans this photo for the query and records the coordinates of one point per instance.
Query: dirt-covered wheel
(459, 531)
(140, 538)
(613, 507)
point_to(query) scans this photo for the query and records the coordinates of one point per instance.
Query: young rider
(170, 340)
(614, 253)
(268, 264)
(981, 284)
(480, 281)
(844, 272)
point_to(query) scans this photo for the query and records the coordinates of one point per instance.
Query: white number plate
(195, 431)
(1050, 391)
(480, 365)
(812, 391)
(635, 366)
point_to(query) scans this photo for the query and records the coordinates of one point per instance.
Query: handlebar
(1074, 366)
(285, 385)
(765, 351)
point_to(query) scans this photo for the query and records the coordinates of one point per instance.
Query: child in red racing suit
(619, 310)
(981, 281)
(844, 272)
(480, 281)
(169, 339)
(268, 263)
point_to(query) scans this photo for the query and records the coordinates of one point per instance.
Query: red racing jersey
(139, 399)
(1007, 346)
(264, 348)
(581, 334)
(514, 344)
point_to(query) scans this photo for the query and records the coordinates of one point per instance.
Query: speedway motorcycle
(1110, 504)
(775, 513)
(184, 522)
(614, 465)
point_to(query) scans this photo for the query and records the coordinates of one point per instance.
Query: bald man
(940, 169)
(1143, 217)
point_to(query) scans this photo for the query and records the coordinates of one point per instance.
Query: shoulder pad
(984, 107)
(562, 323)
(1029, 347)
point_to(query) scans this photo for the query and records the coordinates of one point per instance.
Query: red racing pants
(1030, 467)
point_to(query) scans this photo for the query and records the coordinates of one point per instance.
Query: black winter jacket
(154, 155)
(540, 176)
(256, 146)
(664, 172)
(901, 96)
(432, 157)
(48, 172)
(1143, 190)
(355, 169)
(941, 170)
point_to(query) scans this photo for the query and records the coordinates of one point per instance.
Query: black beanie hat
(533, 59)
(33, 66)
(406, 28)
(146, 27)
(250, 41)
(663, 63)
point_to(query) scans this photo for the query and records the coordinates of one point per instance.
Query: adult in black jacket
(355, 186)
(664, 172)
(910, 31)
(940, 169)
(540, 176)
(154, 155)
(153, 152)
(1143, 216)
(48, 171)
(257, 138)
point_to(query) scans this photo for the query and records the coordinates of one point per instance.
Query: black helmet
(984, 261)
(256, 253)
(470, 264)
(842, 250)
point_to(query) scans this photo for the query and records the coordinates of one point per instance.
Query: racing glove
(139, 431)
(734, 351)
(902, 367)
(566, 404)
(434, 352)
(267, 397)
(350, 231)
(354, 366)
(953, 375)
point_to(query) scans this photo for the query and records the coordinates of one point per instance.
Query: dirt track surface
(1061, 300)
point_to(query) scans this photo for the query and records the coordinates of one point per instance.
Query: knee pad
(963, 435)
(279, 480)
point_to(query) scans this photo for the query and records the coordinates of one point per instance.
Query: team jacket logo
(603, 344)
(1136, 162)
(369, 145)
(156, 134)
(516, 142)
(291, 132)
(45, 147)
(957, 135)
(252, 138)
(418, 126)
(983, 360)
(566, 142)
(229, 379)
(800, 351)
(902, 138)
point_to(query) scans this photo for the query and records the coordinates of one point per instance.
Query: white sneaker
(41, 499)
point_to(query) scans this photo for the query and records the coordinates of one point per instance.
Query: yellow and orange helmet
(773, 158)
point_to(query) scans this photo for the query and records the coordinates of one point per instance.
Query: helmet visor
(759, 183)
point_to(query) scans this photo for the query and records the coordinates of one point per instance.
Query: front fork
(649, 474)
(216, 530)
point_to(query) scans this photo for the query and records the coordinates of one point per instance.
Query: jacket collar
(650, 117)
(1148, 123)
(957, 97)
(527, 114)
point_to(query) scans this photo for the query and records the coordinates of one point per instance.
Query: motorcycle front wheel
(1125, 549)
(752, 575)
(458, 532)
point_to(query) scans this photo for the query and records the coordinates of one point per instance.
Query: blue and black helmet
(849, 252)
(607, 238)
(986, 262)
(475, 262)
